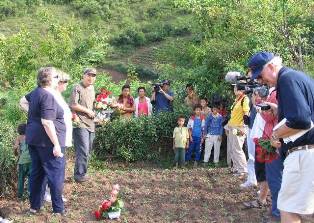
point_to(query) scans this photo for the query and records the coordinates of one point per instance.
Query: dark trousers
(179, 156)
(195, 146)
(46, 166)
(83, 142)
(24, 171)
(274, 176)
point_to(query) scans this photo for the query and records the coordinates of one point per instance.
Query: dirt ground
(151, 194)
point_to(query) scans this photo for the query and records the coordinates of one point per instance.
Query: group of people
(269, 133)
(278, 126)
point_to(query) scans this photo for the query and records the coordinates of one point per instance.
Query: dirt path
(152, 194)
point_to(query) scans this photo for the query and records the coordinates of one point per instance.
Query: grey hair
(277, 61)
(45, 75)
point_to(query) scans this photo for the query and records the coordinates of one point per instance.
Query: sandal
(254, 204)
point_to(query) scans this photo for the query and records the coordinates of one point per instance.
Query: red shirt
(142, 108)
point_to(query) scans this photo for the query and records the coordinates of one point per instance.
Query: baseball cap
(257, 62)
(90, 71)
(167, 82)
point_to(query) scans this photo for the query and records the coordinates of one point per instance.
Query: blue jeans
(46, 166)
(195, 146)
(83, 142)
(274, 176)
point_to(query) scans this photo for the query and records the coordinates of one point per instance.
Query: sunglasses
(91, 75)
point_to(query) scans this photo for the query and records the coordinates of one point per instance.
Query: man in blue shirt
(295, 94)
(163, 98)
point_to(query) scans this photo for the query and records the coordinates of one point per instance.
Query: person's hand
(91, 114)
(202, 140)
(275, 143)
(191, 139)
(161, 90)
(57, 151)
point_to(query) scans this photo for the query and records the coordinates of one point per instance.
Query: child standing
(196, 126)
(205, 109)
(24, 162)
(180, 141)
(213, 132)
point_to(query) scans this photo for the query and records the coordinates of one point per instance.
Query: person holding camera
(294, 133)
(236, 130)
(163, 97)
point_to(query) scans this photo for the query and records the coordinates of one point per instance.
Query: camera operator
(162, 97)
(236, 130)
(295, 95)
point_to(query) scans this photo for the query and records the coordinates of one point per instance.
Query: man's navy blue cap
(257, 62)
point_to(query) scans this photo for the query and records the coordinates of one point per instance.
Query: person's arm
(52, 134)
(246, 106)
(16, 145)
(187, 140)
(130, 109)
(295, 108)
(76, 107)
(168, 96)
(24, 104)
(153, 98)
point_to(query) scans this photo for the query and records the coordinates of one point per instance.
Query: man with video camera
(162, 97)
(295, 95)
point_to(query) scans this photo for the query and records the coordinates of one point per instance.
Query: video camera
(157, 86)
(242, 82)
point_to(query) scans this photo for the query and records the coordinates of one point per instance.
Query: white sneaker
(248, 184)
(64, 199)
(47, 197)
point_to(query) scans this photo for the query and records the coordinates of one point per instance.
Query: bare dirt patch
(152, 194)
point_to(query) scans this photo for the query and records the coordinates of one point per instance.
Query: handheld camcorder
(242, 82)
(157, 86)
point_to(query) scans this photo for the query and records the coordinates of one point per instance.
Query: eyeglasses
(63, 82)
(56, 77)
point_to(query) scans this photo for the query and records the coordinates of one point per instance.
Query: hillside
(135, 30)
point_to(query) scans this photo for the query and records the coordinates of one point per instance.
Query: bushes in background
(138, 138)
(7, 159)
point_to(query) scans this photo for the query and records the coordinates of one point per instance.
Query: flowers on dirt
(110, 208)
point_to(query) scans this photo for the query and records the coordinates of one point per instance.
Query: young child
(213, 132)
(205, 109)
(180, 141)
(196, 126)
(24, 162)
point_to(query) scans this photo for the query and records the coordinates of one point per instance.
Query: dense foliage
(139, 138)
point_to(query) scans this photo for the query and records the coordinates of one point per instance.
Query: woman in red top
(126, 102)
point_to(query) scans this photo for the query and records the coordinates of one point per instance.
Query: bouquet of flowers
(103, 104)
(237, 132)
(265, 152)
(110, 208)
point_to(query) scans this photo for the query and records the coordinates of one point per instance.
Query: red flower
(97, 215)
(106, 205)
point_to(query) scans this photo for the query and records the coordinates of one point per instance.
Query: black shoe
(82, 180)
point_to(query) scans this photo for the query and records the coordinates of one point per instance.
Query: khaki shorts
(296, 194)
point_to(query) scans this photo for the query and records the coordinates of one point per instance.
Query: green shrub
(7, 159)
(138, 138)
